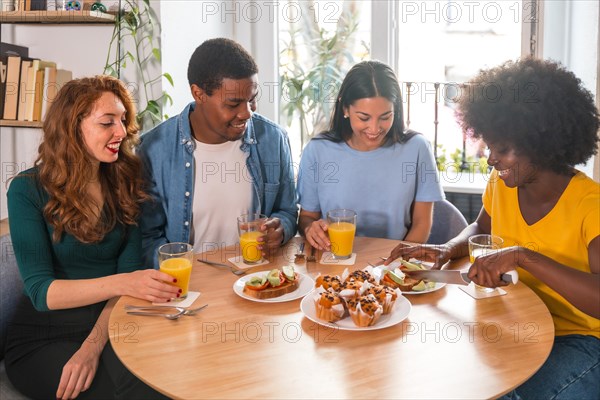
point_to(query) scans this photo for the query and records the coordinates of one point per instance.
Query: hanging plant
(134, 45)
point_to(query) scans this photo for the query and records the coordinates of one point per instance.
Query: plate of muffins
(354, 301)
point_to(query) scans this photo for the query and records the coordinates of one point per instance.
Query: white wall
(571, 37)
(185, 25)
(252, 24)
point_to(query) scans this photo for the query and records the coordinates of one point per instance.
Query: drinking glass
(176, 260)
(249, 231)
(342, 228)
(480, 245)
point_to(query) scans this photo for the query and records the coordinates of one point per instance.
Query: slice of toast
(272, 292)
(404, 287)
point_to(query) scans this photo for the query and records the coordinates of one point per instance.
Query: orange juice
(341, 235)
(249, 244)
(180, 269)
(473, 254)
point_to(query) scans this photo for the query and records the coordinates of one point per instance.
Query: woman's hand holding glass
(150, 284)
(317, 236)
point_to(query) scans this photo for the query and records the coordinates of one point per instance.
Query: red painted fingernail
(180, 290)
(174, 280)
(168, 300)
(178, 295)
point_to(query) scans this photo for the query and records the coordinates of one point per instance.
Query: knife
(455, 277)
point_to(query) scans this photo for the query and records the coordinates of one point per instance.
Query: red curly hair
(65, 167)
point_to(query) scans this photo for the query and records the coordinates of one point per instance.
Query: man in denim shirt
(217, 160)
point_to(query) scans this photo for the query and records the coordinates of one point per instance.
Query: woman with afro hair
(538, 122)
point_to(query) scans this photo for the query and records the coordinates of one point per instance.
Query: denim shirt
(167, 152)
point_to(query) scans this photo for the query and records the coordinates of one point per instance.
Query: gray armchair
(11, 291)
(447, 222)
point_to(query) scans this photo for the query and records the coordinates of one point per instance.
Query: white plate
(399, 313)
(438, 286)
(306, 286)
(378, 272)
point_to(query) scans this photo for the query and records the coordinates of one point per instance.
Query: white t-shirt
(222, 192)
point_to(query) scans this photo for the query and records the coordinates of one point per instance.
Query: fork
(233, 270)
(133, 310)
(139, 310)
(300, 255)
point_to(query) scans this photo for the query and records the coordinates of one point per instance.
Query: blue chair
(447, 222)
(11, 291)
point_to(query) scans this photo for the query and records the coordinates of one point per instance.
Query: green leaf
(156, 53)
(169, 78)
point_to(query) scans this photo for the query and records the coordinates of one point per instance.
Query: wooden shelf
(56, 17)
(20, 124)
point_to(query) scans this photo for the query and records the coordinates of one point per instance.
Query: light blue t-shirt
(380, 185)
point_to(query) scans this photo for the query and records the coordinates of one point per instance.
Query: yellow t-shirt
(563, 235)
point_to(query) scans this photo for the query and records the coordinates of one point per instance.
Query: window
(446, 43)
(442, 42)
(318, 42)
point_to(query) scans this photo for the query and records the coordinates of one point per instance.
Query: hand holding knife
(455, 277)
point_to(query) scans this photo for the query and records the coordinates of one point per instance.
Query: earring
(345, 116)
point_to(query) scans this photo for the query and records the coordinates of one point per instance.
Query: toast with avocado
(273, 284)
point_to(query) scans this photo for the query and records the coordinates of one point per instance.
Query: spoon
(233, 270)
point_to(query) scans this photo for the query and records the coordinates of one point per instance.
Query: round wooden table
(450, 346)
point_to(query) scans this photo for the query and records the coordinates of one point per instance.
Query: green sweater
(41, 261)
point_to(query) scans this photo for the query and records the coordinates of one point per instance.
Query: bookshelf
(21, 124)
(56, 17)
(51, 18)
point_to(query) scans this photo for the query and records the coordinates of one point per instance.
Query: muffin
(362, 276)
(365, 310)
(329, 306)
(351, 289)
(329, 281)
(385, 296)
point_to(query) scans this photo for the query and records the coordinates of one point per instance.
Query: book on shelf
(11, 87)
(9, 90)
(37, 5)
(3, 68)
(54, 80)
(50, 90)
(24, 5)
(28, 90)
(21, 107)
(37, 97)
(39, 88)
(9, 49)
(33, 89)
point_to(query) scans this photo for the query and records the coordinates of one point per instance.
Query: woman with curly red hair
(73, 226)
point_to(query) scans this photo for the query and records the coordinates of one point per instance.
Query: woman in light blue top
(369, 163)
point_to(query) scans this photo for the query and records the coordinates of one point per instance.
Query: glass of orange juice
(342, 228)
(480, 245)
(249, 231)
(176, 260)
